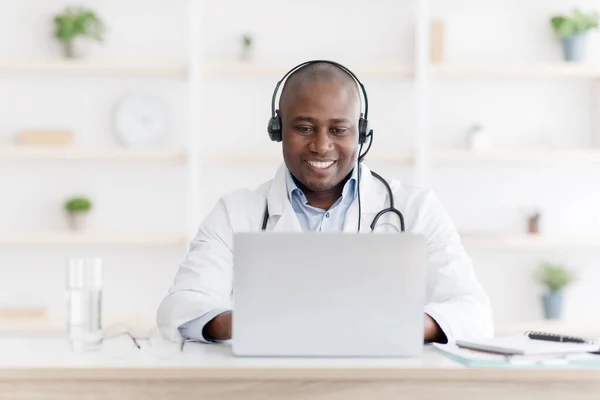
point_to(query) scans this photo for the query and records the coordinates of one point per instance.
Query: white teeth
(320, 164)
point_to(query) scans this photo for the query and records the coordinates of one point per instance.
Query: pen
(549, 337)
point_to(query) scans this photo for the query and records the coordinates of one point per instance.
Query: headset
(275, 130)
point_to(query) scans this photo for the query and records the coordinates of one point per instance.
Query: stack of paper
(523, 345)
(520, 350)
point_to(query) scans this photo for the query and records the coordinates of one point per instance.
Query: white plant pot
(78, 221)
(246, 54)
(76, 49)
(479, 141)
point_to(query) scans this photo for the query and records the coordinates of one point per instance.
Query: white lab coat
(454, 297)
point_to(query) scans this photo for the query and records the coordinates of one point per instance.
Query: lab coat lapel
(281, 213)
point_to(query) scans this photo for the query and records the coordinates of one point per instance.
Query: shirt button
(327, 214)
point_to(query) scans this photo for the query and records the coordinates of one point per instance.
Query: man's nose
(322, 142)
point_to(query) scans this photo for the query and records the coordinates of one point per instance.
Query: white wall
(521, 113)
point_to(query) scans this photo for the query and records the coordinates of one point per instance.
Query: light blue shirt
(311, 219)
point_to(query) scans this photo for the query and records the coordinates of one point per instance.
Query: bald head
(324, 73)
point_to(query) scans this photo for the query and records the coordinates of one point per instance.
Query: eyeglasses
(119, 342)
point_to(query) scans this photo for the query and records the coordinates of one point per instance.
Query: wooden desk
(44, 368)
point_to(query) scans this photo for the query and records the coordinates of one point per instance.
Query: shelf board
(278, 68)
(72, 239)
(516, 156)
(515, 70)
(264, 68)
(56, 325)
(31, 153)
(249, 157)
(101, 68)
(532, 241)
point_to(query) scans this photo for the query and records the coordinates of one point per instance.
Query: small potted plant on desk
(573, 30)
(555, 277)
(76, 23)
(78, 209)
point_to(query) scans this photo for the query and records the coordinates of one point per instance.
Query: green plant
(78, 204)
(555, 276)
(577, 22)
(247, 39)
(74, 21)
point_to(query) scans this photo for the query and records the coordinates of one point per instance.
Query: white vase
(479, 140)
(78, 220)
(75, 49)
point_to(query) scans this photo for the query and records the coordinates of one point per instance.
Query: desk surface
(51, 358)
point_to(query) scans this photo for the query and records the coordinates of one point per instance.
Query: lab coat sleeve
(193, 329)
(203, 282)
(454, 297)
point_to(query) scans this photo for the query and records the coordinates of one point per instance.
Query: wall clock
(140, 121)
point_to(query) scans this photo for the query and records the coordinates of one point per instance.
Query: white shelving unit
(194, 70)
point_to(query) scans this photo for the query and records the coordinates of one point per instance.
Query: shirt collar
(348, 192)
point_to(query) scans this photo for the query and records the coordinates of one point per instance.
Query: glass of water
(84, 303)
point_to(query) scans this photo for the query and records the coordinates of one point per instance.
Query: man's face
(320, 133)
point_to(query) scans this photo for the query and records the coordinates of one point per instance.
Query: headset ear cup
(274, 129)
(363, 130)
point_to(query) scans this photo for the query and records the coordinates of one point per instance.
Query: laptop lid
(328, 294)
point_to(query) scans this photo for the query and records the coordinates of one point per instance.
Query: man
(317, 190)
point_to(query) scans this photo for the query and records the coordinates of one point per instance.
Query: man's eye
(304, 129)
(339, 131)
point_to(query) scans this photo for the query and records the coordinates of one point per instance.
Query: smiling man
(316, 189)
(319, 110)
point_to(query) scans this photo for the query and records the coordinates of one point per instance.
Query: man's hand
(433, 332)
(218, 328)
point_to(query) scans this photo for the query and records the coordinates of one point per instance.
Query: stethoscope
(275, 133)
(390, 209)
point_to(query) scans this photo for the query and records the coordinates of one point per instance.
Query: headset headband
(340, 66)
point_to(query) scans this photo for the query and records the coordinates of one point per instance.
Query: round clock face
(140, 121)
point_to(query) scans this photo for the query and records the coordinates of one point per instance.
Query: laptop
(328, 294)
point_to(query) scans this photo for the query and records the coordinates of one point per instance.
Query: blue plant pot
(553, 305)
(574, 47)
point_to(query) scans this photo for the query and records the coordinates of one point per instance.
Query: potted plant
(78, 209)
(555, 277)
(246, 47)
(77, 23)
(573, 30)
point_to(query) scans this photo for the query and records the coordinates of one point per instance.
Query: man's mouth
(320, 164)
